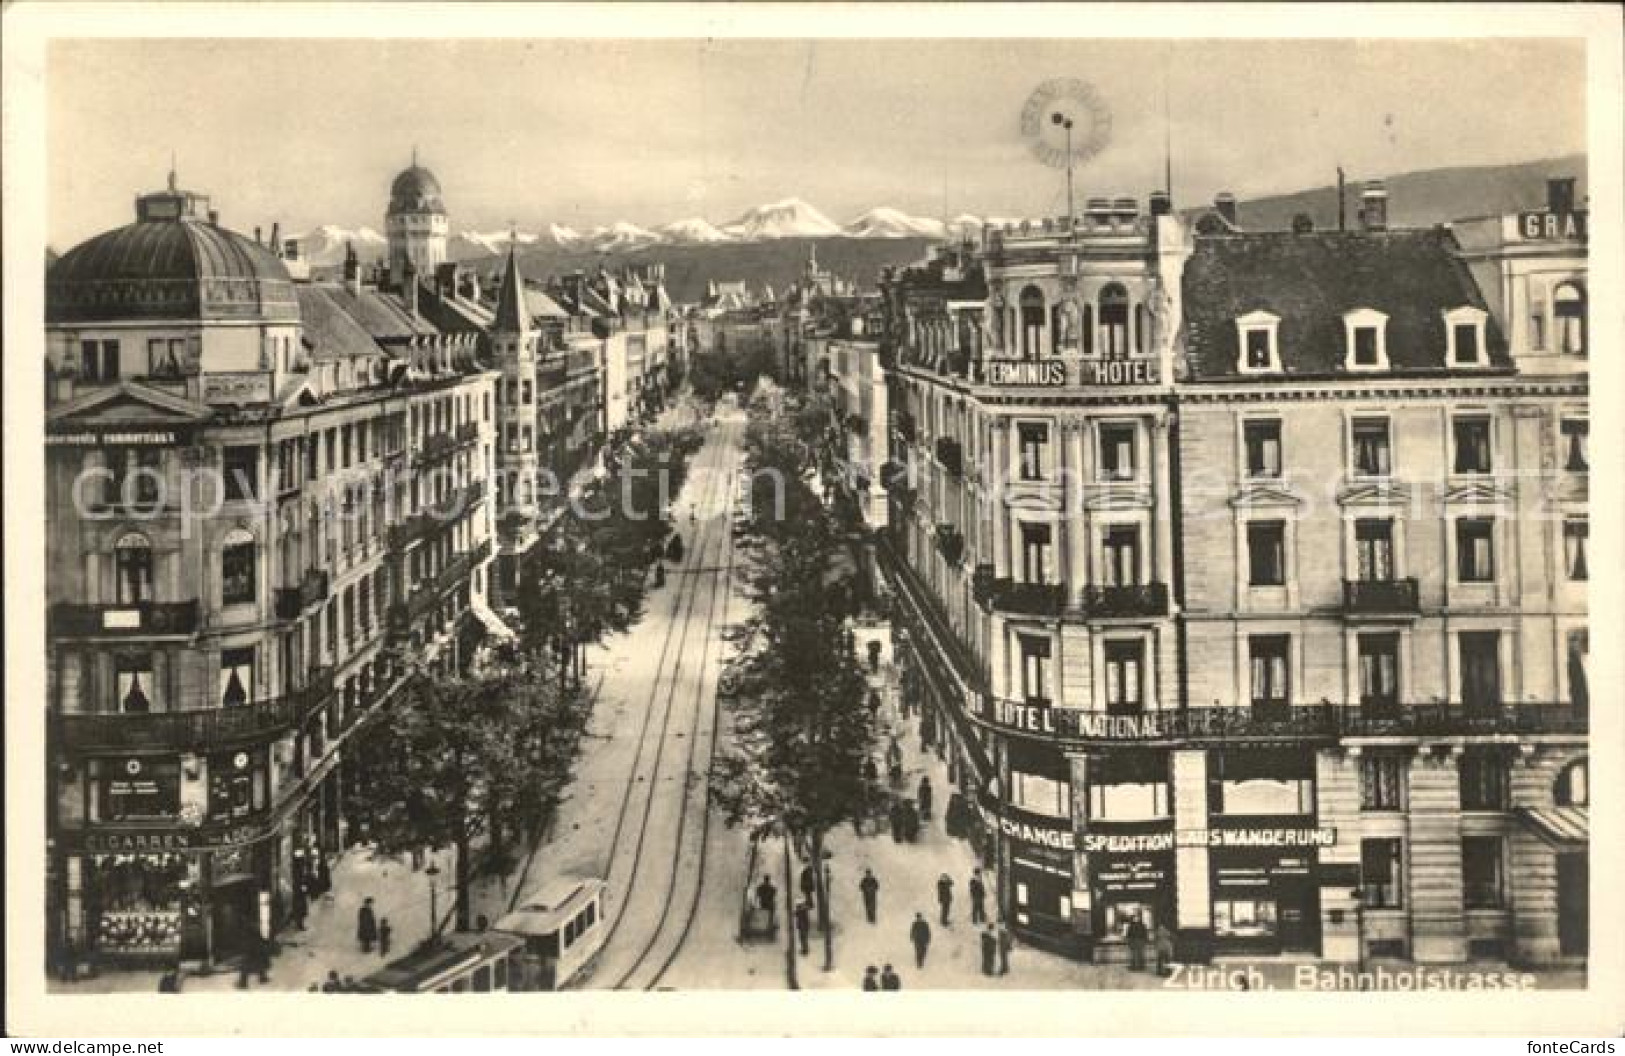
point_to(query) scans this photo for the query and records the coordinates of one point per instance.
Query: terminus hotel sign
(1052, 373)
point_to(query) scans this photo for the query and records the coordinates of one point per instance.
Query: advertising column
(1194, 908)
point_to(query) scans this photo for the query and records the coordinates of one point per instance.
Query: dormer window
(1464, 337)
(1256, 334)
(1366, 333)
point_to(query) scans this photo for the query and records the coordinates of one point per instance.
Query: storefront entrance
(1041, 899)
(1573, 903)
(234, 918)
(1265, 902)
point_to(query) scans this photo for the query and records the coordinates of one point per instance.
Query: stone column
(1075, 568)
(1193, 899)
(1162, 475)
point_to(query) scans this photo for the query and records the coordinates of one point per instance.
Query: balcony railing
(1026, 599)
(205, 728)
(1132, 600)
(72, 619)
(1380, 597)
(289, 604)
(1458, 719)
(429, 594)
(467, 432)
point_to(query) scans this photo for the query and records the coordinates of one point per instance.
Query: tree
(461, 757)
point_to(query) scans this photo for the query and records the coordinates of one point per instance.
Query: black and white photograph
(1085, 502)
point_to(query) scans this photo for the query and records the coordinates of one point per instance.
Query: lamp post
(1066, 123)
(434, 902)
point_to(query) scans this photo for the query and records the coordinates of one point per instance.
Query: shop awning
(1562, 827)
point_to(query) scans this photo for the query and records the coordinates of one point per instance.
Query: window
(1122, 555)
(134, 477)
(1035, 669)
(237, 568)
(99, 360)
(1480, 655)
(1475, 550)
(1125, 684)
(1575, 535)
(1271, 690)
(133, 682)
(236, 784)
(1034, 438)
(239, 471)
(1116, 452)
(1114, 320)
(1382, 781)
(331, 443)
(313, 465)
(1256, 337)
(1464, 336)
(524, 392)
(1035, 549)
(1373, 456)
(1263, 443)
(236, 677)
(1032, 322)
(1576, 457)
(1481, 873)
(1579, 659)
(1040, 794)
(165, 355)
(1374, 550)
(1266, 553)
(1472, 443)
(1378, 658)
(1380, 873)
(1244, 918)
(1537, 328)
(1483, 779)
(1569, 312)
(132, 570)
(1573, 788)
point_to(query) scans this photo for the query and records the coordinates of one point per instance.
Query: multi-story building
(1246, 571)
(252, 483)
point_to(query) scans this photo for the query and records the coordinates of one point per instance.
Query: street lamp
(434, 902)
(1066, 123)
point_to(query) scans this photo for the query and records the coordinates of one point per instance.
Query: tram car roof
(551, 906)
(429, 967)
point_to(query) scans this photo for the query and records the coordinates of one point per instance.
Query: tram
(562, 928)
(483, 963)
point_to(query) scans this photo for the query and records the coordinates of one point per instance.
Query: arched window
(132, 569)
(237, 568)
(1573, 787)
(1569, 312)
(1114, 320)
(1032, 322)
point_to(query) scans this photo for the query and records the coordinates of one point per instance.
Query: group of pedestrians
(885, 979)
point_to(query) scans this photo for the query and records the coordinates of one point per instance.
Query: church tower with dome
(415, 223)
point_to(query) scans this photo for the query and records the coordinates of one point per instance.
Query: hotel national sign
(1023, 717)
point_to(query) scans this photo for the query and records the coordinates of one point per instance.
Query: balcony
(1025, 599)
(1450, 720)
(468, 432)
(1380, 597)
(1131, 601)
(145, 618)
(428, 594)
(951, 456)
(198, 730)
(288, 603)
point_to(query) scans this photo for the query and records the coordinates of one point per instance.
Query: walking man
(1006, 941)
(803, 921)
(767, 897)
(869, 980)
(889, 979)
(366, 926)
(871, 894)
(990, 949)
(301, 905)
(809, 882)
(1136, 934)
(894, 752)
(385, 933)
(925, 798)
(978, 893)
(919, 933)
(945, 896)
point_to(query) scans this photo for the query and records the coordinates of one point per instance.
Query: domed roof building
(416, 224)
(416, 190)
(174, 263)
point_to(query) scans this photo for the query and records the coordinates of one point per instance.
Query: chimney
(1303, 224)
(1162, 203)
(290, 249)
(445, 279)
(214, 218)
(276, 238)
(352, 269)
(1374, 206)
(1560, 195)
(258, 241)
(1225, 204)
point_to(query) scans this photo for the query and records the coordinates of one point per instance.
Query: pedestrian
(871, 894)
(809, 881)
(1136, 934)
(874, 703)
(803, 921)
(385, 932)
(919, 933)
(170, 982)
(871, 772)
(331, 985)
(256, 960)
(897, 825)
(350, 986)
(1006, 941)
(889, 979)
(301, 905)
(767, 897)
(945, 896)
(925, 798)
(366, 926)
(869, 980)
(894, 753)
(978, 896)
(1165, 950)
(894, 775)
(873, 648)
(990, 949)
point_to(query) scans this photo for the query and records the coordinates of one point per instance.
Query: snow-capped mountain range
(788, 218)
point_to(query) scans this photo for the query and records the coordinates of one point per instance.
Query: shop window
(1475, 550)
(1244, 918)
(1121, 546)
(1569, 311)
(1114, 320)
(1483, 778)
(236, 677)
(1373, 454)
(1117, 452)
(1040, 794)
(1034, 440)
(236, 784)
(132, 678)
(237, 568)
(1128, 801)
(1035, 661)
(239, 472)
(1125, 676)
(1482, 873)
(1377, 656)
(133, 902)
(1271, 688)
(1035, 553)
(1576, 455)
(1472, 445)
(1263, 442)
(1576, 534)
(1261, 781)
(1381, 873)
(1573, 787)
(132, 570)
(1382, 781)
(1266, 553)
(136, 788)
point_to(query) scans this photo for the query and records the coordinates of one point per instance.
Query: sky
(588, 132)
